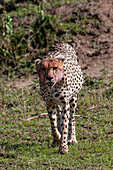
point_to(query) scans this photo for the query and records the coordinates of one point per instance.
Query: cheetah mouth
(51, 84)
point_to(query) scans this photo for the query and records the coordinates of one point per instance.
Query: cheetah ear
(37, 61)
(61, 58)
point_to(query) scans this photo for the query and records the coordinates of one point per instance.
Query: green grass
(27, 144)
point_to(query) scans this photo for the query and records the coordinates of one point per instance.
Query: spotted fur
(61, 93)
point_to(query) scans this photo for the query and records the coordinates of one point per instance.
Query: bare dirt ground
(95, 48)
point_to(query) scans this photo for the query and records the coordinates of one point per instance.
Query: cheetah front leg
(72, 132)
(64, 128)
(59, 112)
(53, 120)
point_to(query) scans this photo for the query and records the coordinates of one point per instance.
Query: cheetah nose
(49, 78)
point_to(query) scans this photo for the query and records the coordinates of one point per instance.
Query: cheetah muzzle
(60, 79)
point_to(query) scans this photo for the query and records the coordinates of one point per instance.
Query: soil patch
(95, 48)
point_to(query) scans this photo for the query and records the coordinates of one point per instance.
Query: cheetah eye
(55, 68)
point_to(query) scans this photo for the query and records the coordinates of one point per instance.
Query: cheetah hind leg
(72, 133)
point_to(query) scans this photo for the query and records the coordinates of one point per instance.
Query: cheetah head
(50, 70)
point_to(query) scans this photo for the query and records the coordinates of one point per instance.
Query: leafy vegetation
(29, 30)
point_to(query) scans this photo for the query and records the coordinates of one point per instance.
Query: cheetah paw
(63, 149)
(55, 143)
(72, 141)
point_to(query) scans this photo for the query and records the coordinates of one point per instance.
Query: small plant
(7, 48)
(7, 27)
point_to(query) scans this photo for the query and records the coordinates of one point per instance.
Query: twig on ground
(43, 115)
(77, 115)
(38, 116)
(92, 107)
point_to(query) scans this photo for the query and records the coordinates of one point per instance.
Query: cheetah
(60, 79)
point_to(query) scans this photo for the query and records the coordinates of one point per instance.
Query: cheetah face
(50, 70)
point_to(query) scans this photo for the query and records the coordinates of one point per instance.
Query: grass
(27, 144)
